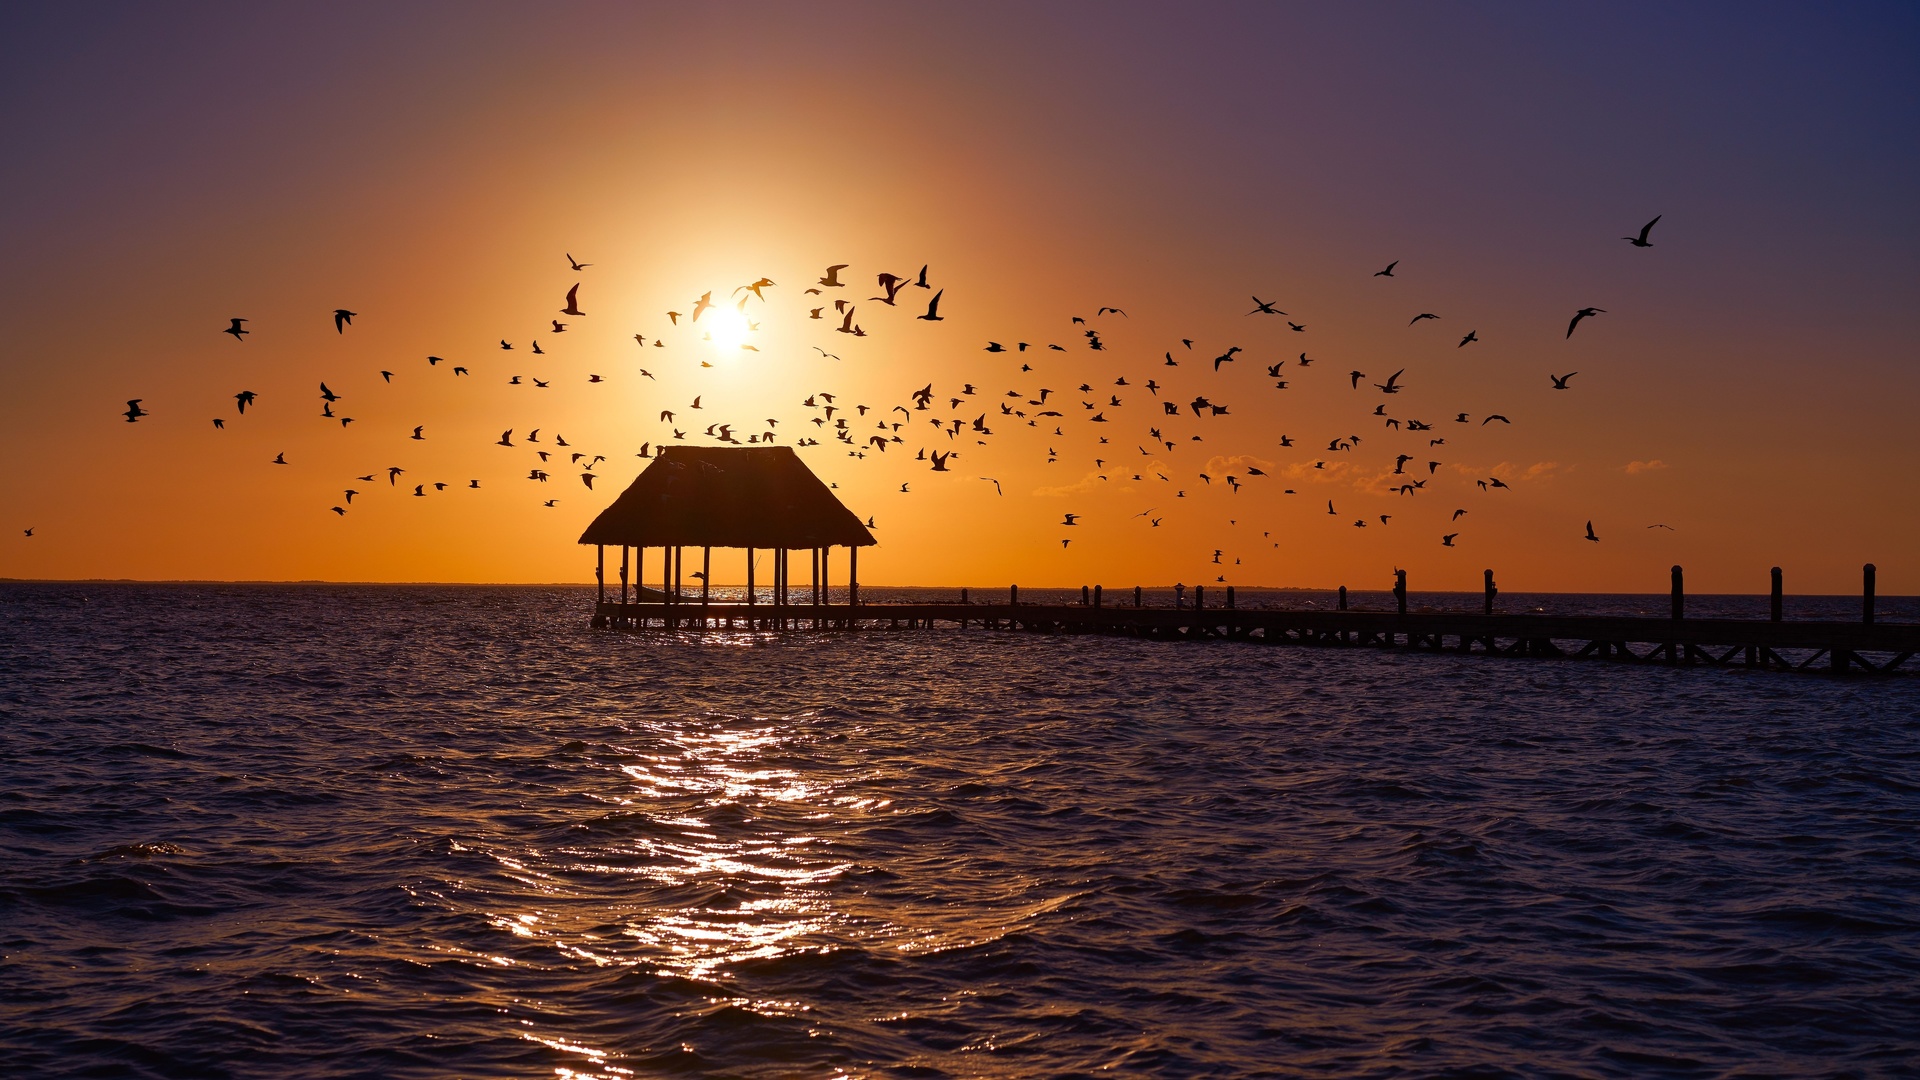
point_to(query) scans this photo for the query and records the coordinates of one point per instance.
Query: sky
(1749, 384)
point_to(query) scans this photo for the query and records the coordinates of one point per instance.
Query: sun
(730, 331)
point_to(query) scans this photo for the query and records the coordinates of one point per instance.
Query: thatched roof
(749, 496)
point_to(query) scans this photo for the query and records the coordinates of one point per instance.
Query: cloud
(1545, 471)
(1087, 483)
(1635, 468)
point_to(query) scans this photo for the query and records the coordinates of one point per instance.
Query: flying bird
(1472, 336)
(1491, 417)
(577, 266)
(1388, 272)
(1590, 535)
(1560, 381)
(245, 398)
(1641, 240)
(1261, 307)
(1422, 315)
(235, 329)
(573, 302)
(933, 308)
(1581, 314)
(280, 458)
(342, 318)
(134, 411)
(832, 280)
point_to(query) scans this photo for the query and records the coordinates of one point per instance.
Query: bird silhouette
(1262, 307)
(1422, 315)
(1491, 417)
(1641, 240)
(1590, 535)
(134, 411)
(1472, 336)
(280, 458)
(236, 330)
(832, 280)
(933, 308)
(1583, 313)
(1388, 272)
(577, 266)
(1447, 540)
(244, 398)
(573, 302)
(1560, 381)
(342, 318)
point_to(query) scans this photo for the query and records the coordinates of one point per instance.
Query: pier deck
(1830, 647)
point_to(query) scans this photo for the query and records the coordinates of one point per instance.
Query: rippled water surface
(409, 832)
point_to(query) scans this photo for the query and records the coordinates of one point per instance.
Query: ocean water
(433, 831)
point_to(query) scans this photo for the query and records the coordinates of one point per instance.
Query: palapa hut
(752, 497)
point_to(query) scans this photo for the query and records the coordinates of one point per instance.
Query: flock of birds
(936, 427)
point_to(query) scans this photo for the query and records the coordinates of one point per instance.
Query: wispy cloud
(1635, 468)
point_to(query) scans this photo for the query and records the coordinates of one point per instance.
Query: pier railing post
(963, 597)
(1400, 590)
(1679, 595)
(1199, 597)
(1492, 590)
(1013, 595)
(1866, 594)
(1229, 596)
(1096, 596)
(1085, 596)
(1343, 598)
(1777, 605)
(1136, 596)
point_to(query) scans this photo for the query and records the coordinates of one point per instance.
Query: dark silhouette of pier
(1836, 647)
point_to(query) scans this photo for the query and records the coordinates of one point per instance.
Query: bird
(416, 433)
(244, 398)
(1115, 310)
(1456, 515)
(280, 458)
(1392, 385)
(339, 510)
(1641, 240)
(922, 283)
(1656, 525)
(549, 503)
(1070, 520)
(1472, 336)
(1581, 314)
(933, 308)
(577, 266)
(393, 473)
(1590, 535)
(386, 376)
(1491, 417)
(1422, 315)
(558, 326)
(1225, 357)
(587, 479)
(573, 302)
(134, 411)
(1263, 307)
(1356, 376)
(832, 280)
(458, 370)
(504, 343)
(701, 305)
(1447, 540)
(29, 532)
(342, 318)
(995, 483)
(537, 350)
(1388, 272)
(219, 423)
(327, 395)
(1296, 327)
(1560, 381)
(236, 330)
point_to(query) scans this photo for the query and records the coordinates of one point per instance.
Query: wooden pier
(1829, 647)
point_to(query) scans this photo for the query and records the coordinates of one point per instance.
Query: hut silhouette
(751, 497)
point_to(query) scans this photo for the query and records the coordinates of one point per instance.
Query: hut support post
(706, 574)
(751, 597)
(600, 571)
(625, 557)
(853, 575)
(826, 577)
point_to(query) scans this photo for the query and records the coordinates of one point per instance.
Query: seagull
(933, 308)
(280, 458)
(1388, 272)
(1447, 540)
(234, 328)
(134, 411)
(1491, 417)
(1581, 314)
(386, 376)
(1641, 240)
(219, 423)
(1069, 520)
(701, 305)
(832, 280)
(245, 398)
(1669, 528)
(1560, 381)
(573, 302)
(1115, 310)
(1262, 307)
(416, 433)
(995, 483)
(1590, 535)
(342, 318)
(577, 266)
(1422, 315)
(1472, 336)
(328, 395)
(1392, 385)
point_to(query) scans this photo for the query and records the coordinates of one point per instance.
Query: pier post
(1013, 594)
(1679, 595)
(678, 554)
(1777, 606)
(1096, 596)
(1866, 594)
(623, 574)
(1199, 597)
(1136, 596)
(1229, 596)
(1085, 596)
(963, 597)
(751, 598)
(1492, 590)
(706, 575)
(853, 576)
(1343, 598)
(639, 570)
(1400, 590)
(600, 571)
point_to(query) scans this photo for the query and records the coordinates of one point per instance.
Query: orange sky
(1749, 384)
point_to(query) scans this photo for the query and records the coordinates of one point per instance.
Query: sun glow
(730, 331)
